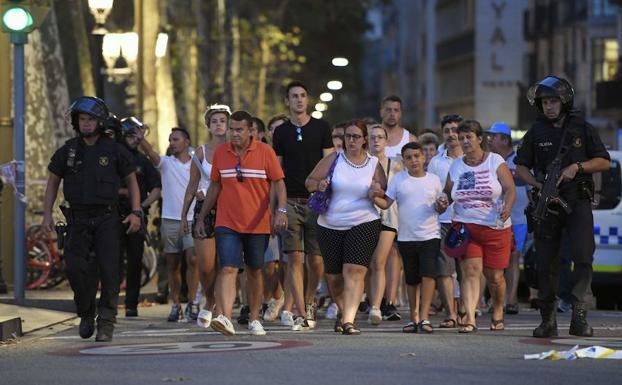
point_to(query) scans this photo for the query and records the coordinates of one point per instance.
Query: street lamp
(100, 10)
(317, 114)
(120, 51)
(326, 96)
(334, 85)
(321, 107)
(340, 61)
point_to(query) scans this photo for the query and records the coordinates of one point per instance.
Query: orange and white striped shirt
(244, 199)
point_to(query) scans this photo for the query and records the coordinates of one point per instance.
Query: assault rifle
(548, 196)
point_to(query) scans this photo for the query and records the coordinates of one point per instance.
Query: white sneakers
(331, 312)
(204, 319)
(287, 318)
(375, 316)
(256, 329)
(274, 306)
(222, 325)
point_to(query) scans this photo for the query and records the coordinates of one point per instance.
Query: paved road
(148, 350)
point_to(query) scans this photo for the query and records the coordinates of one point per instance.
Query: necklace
(477, 162)
(356, 165)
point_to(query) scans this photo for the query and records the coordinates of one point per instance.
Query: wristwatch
(138, 213)
(282, 210)
(580, 168)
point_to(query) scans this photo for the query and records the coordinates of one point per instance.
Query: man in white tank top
(391, 115)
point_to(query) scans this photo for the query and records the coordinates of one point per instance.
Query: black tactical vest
(92, 176)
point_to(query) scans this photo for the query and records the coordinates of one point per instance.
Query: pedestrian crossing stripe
(610, 235)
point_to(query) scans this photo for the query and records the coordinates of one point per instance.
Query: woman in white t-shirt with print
(481, 186)
(217, 122)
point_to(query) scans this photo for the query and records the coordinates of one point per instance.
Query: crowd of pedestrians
(439, 218)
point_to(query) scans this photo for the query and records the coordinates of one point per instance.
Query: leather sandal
(410, 327)
(350, 330)
(448, 323)
(338, 326)
(468, 329)
(497, 325)
(426, 327)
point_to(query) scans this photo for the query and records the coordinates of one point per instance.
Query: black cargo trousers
(579, 225)
(92, 255)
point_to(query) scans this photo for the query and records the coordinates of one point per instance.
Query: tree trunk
(262, 77)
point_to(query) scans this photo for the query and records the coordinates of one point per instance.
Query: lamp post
(100, 9)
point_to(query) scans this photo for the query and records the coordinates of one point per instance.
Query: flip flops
(468, 329)
(448, 323)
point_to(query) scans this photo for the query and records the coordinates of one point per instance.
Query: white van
(607, 283)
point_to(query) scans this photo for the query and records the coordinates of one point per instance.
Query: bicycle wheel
(38, 265)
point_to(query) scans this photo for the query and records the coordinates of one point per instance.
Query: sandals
(410, 327)
(461, 321)
(511, 308)
(448, 323)
(350, 330)
(468, 329)
(497, 325)
(338, 326)
(426, 327)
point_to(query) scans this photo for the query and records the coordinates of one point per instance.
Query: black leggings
(355, 245)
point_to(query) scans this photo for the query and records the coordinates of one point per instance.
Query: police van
(607, 282)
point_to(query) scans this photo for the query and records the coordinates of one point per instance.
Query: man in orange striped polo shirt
(243, 173)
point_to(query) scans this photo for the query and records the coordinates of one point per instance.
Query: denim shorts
(236, 249)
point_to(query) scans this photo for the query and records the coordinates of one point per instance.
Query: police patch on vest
(577, 142)
(103, 161)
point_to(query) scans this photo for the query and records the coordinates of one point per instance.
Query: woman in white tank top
(217, 121)
(348, 231)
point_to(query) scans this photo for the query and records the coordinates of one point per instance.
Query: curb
(10, 329)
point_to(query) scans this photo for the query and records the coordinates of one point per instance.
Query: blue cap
(500, 128)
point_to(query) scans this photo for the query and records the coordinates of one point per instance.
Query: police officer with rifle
(557, 157)
(92, 166)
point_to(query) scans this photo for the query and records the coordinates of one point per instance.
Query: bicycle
(44, 264)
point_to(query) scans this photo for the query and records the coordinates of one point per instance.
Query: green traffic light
(17, 19)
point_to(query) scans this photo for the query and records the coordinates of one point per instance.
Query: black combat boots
(87, 327)
(548, 326)
(105, 329)
(578, 322)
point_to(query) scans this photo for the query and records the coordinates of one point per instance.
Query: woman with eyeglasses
(482, 188)
(378, 141)
(217, 122)
(348, 231)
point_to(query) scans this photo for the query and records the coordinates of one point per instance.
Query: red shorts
(493, 245)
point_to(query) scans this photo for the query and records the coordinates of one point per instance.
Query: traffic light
(22, 15)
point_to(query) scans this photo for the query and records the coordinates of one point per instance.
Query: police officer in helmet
(561, 132)
(92, 166)
(132, 245)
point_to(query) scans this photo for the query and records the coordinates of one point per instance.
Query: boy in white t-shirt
(420, 199)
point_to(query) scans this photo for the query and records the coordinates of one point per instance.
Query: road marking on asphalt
(610, 342)
(181, 348)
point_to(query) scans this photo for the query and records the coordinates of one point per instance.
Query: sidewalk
(43, 308)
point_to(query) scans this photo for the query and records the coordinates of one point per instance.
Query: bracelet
(580, 168)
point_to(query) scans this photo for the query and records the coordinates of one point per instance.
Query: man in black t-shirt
(582, 154)
(300, 143)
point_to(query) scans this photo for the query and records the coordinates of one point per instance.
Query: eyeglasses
(299, 132)
(354, 137)
(377, 137)
(238, 173)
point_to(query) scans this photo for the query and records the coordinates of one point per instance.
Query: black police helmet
(129, 125)
(88, 105)
(552, 87)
